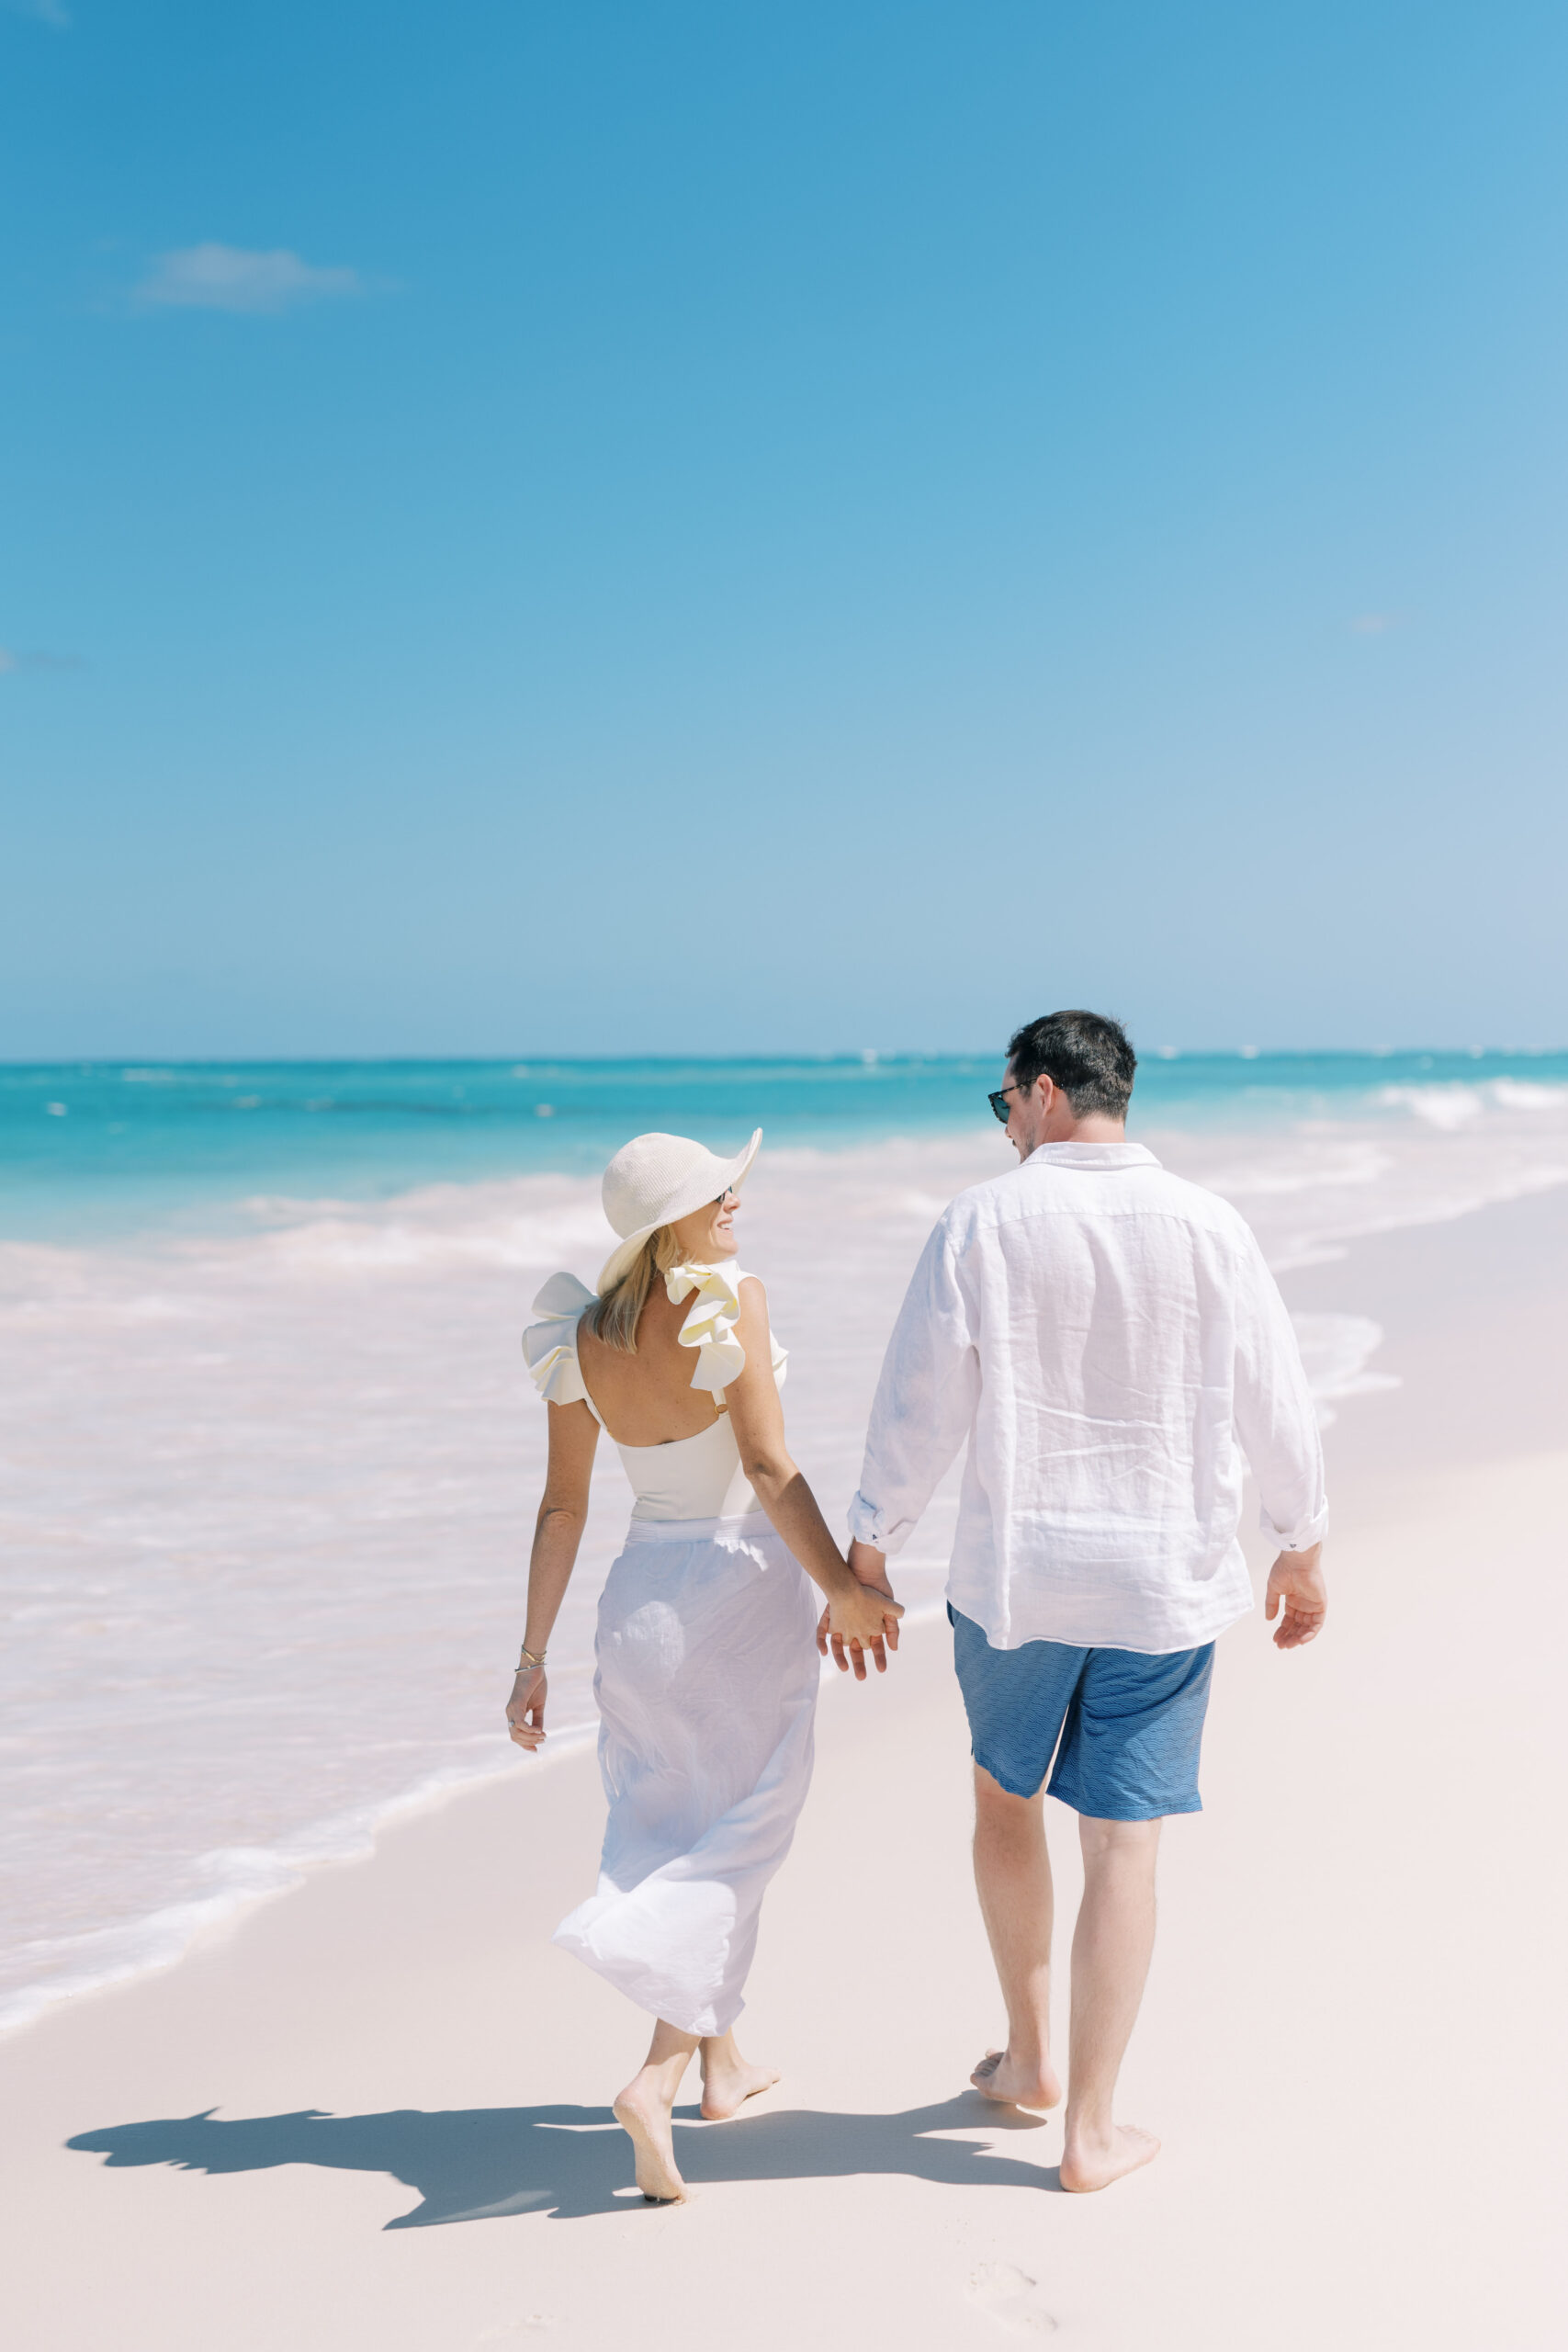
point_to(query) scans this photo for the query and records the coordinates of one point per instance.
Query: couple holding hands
(1110, 1344)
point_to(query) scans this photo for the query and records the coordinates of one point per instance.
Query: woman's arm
(858, 1615)
(574, 1433)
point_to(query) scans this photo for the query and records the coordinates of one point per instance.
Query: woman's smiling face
(708, 1234)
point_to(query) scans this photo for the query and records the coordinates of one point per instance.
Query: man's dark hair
(1083, 1053)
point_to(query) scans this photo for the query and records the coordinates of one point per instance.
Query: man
(1111, 1344)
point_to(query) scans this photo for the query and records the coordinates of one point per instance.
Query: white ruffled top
(692, 1478)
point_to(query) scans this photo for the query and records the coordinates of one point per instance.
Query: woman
(706, 1645)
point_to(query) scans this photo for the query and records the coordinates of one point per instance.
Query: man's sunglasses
(999, 1103)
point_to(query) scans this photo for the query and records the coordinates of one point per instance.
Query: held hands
(862, 1616)
(525, 1708)
(1297, 1580)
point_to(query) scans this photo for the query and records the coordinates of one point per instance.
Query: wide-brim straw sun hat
(657, 1180)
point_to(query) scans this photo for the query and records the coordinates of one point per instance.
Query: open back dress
(705, 1679)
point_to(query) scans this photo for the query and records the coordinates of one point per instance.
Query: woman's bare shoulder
(587, 1339)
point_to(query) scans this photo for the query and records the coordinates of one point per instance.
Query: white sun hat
(657, 1179)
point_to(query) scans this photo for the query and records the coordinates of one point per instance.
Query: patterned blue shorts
(1125, 1728)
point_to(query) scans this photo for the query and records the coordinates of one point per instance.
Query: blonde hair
(614, 1319)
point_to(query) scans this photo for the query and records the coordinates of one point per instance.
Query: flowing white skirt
(706, 1684)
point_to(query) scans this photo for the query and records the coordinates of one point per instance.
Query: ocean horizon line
(850, 1056)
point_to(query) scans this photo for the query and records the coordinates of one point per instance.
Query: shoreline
(1519, 1248)
(199, 1923)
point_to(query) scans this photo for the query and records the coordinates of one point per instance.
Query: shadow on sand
(477, 2164)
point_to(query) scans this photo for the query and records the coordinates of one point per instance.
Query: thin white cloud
(11, 662)
(227, 278)
(42, 11)
(1375, 624)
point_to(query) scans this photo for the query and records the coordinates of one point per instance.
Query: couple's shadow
(478, 2164)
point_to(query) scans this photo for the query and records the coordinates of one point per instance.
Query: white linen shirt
(1110, 1340)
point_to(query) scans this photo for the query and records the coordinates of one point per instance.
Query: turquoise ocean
(100, 1148)
(270, 1460)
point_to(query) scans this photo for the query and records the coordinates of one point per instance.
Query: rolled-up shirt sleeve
(925, 1400)
(1275, 1418)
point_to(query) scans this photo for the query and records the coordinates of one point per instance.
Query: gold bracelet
(528, 1659)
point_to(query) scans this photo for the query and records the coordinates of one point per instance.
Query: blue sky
(595, 527)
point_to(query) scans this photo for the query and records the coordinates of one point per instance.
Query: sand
(1351, 2044)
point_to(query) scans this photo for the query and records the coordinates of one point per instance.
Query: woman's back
(675, 1442)
(647, 1399)
(662, 1403)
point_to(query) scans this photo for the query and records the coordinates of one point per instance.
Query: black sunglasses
(998, 1100)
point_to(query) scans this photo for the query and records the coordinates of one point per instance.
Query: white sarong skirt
(706, 1686)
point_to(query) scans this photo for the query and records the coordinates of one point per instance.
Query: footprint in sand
(1011, 2298)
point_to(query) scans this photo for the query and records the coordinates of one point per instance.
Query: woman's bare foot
(644, 2110)
(729, 2080)
(1095, 2164)
(643, 2114)
(1004, 2078)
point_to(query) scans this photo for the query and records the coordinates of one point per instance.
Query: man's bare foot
(643, 2117)
(1088, 2165)
(729, 2082)
(1003, 2079)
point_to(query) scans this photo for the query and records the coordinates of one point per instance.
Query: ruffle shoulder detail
(550, 1346)
(710, 1326)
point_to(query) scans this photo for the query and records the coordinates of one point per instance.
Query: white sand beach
(374, 2110)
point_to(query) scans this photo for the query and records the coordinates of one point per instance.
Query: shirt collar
(1092, 1156)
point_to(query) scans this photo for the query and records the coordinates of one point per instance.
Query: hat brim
(728, 1176)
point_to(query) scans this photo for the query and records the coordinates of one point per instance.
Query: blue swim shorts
(1129, 1727)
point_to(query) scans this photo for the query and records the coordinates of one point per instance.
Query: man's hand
(525, 1708)
(851, 1627)
(1297, 1580)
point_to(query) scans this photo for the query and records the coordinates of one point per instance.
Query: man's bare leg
(1012, 1877)
(1112, 1945)
(645, 2108)
(729, 2080)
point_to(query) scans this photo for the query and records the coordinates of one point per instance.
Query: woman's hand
(860, 1617)
(525, 1708)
